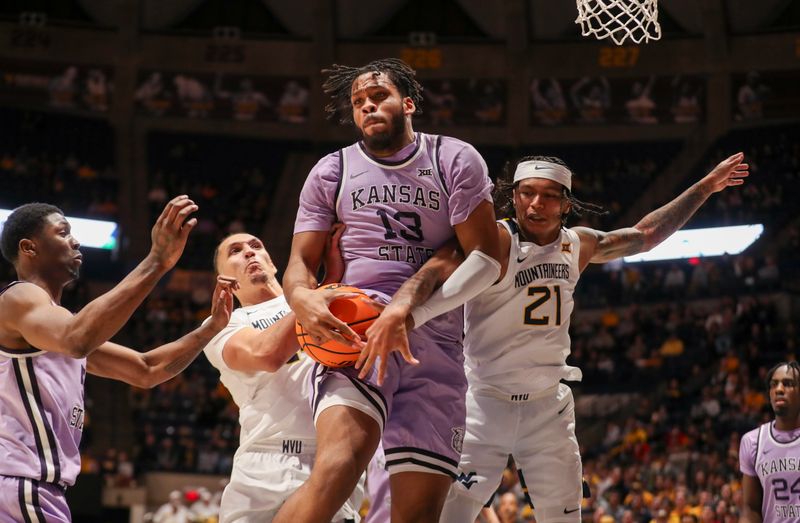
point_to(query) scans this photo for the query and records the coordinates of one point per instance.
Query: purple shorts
(421, 408)
(32, 501)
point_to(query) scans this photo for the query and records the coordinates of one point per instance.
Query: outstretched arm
(47, 326)
(156, 366)
(600, 247)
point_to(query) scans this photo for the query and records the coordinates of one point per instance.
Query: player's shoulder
(507, 227)
(22, 294)
(751, 437)
(449, 143)
(331, 162)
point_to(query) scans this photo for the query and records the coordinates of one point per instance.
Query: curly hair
(504, 192)
(24, 222)
(792, 365)
(340, 78)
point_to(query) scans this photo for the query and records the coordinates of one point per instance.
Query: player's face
(379, 111)
(57, 251)
(784, 392)
(244, 257)
(539, 205)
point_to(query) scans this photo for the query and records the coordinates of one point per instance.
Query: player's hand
(728, 173)
(334, 262)
(389, 333)
(311, 309)
(171, 230)
(222, 303)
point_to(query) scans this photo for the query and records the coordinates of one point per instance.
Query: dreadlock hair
(504, 192)
(793, 366)
(340, 78)
(24, 222)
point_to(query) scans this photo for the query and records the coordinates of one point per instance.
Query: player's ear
(409, 107)
(27, 247)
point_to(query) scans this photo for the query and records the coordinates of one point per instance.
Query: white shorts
(538, 430)
(263, 479)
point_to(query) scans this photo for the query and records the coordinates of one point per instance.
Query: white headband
(542, 169)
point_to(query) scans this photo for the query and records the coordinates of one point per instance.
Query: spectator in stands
(204, 510)
(751, 96)
(173, 511)
(293, 104)
(640, 106)
(549, 104)
(591, 98)
(508, 508)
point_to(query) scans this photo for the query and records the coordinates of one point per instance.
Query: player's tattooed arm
(419, 287)
(390, 331)
(600, 247)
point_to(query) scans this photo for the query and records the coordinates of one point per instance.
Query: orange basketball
(356, 312)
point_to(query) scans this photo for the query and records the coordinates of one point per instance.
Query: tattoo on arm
(661, 223)
(418, 288)
(179, 363)
(619, 243)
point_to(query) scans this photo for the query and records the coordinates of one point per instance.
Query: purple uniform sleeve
(466, 176)
(747, 453)
(317, 210)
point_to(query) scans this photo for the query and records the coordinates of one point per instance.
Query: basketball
(356, 312)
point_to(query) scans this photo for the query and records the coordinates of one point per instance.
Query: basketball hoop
(620, 20)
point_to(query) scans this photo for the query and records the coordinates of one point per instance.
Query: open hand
(222, 303)
(389, 333)
(729, 172)
(171, 230)
(311, 308)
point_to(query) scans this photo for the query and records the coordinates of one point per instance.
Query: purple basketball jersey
(398, 210)
(773, 457)
(41, 414)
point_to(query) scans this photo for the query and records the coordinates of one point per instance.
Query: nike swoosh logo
(540, 168)
(571, 511)
(562, 410)
(520, 260)
(356, 175)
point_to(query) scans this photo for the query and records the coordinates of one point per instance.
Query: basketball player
(270, 381)
(401, 195)
(516, 333)
(769, 456)
(45, 351)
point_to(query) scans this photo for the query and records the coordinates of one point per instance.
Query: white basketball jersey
(517, 331)
(273, 406)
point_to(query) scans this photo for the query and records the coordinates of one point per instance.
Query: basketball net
(620, 20)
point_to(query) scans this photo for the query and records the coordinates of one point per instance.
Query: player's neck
(53, 288)
(539, 239)
(403, 140)
(260, 293)
(787, 423)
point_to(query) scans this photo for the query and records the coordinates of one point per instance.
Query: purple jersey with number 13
(773, 457)
(398, 210)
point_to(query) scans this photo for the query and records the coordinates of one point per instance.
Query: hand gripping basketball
(354, 308)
